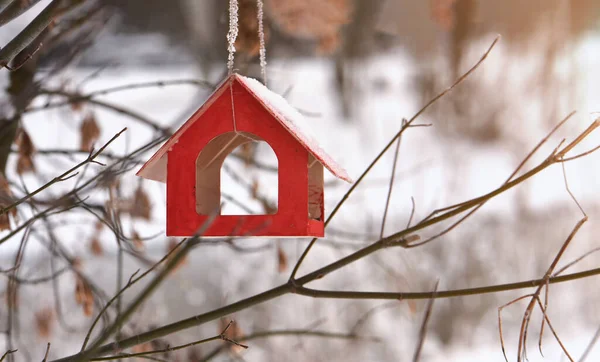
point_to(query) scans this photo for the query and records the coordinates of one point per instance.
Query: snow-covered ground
(433, 168)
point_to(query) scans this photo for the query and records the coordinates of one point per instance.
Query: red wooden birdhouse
(242, 110)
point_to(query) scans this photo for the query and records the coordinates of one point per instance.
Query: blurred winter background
(355, 69)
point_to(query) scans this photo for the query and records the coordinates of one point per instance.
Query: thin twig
(391, 184)
(589, 347)
(569, 190)
(39, 280)
(222, 336)
(71, 152)
(76, 98)
(10, 351)
(555, 157)
(423, 330)
(570, 264)
(112, 107)
(365, 317)
(46, 354)
(502, 345)
(535, 298)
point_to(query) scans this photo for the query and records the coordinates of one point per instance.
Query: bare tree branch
(14, 9)
(424, 324)
(291, 288)
(30, 33)
(7, 353)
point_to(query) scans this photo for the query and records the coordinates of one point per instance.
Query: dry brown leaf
(282, 261)
(96, 247)
(44, 320)
(89, 132)
(25, 156)
(137, 240)
(140, 207)
(84, 296)
(312, 19)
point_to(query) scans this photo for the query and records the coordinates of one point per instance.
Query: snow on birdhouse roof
(289, 117)
(295, 123)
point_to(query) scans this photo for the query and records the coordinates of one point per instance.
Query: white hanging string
(231, 37)
(261, 37)
(233, 32)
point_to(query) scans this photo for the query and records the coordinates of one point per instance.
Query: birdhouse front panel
(202, 149)
(241, 110)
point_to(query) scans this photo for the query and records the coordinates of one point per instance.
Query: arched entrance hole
(211, 176)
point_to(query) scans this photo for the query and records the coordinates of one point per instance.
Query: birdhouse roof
(289, 117)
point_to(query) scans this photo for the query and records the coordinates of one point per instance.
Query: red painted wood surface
(251, 116)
